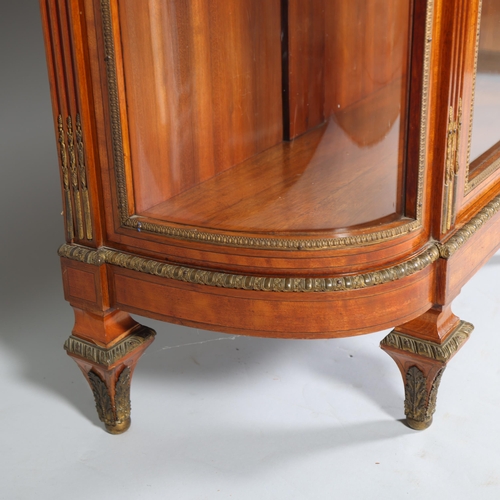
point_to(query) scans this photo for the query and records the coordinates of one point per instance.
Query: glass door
(265, 116)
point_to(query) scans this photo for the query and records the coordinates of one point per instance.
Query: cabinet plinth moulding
(266, 168)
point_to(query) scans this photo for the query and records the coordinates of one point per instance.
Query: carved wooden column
(422, 348)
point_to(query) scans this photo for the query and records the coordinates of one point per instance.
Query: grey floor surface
(214, 416)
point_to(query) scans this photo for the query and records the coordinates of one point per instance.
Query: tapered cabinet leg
(421, 379)
(108, 370)
(423, 361)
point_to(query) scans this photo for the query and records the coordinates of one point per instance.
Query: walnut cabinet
(282, 168)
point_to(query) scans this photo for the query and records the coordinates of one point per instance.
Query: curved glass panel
(266, 115)
(486, 117)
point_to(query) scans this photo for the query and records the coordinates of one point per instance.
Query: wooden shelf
(328, 178)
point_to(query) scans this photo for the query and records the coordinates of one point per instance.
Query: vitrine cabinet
(282, 168)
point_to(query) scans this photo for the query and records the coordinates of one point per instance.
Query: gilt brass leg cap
(119, 428)
(417, 425)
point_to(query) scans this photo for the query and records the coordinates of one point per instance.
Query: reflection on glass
(246, 119)
(486, 120)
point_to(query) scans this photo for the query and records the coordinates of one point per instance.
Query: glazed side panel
(456, 36)
(267, 260)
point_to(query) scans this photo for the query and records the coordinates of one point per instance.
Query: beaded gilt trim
(244, 282)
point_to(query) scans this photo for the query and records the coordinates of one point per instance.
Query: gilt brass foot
(422, 364)
(421, 396)
(109, 373)
(114, 412)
